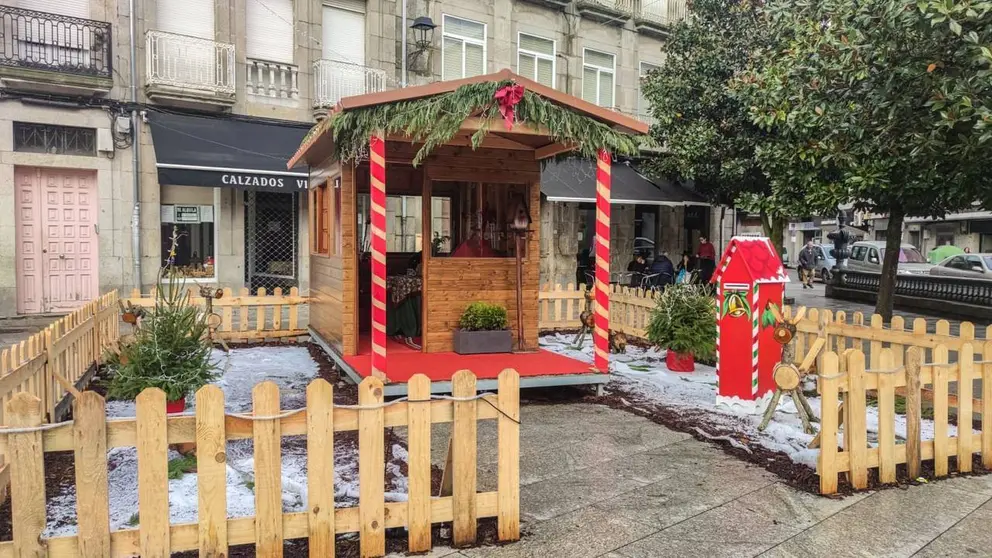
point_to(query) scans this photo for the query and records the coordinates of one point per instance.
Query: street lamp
(423, 28)
(519, 225)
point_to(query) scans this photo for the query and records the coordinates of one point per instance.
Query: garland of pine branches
(433, 121)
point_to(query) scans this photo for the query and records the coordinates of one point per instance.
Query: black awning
(226, 152)
(574, 180)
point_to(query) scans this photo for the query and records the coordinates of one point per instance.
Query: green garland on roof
(434, 120)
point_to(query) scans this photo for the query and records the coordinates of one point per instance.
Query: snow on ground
(643, 374)
(291, 368)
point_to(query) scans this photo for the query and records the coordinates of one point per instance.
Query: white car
(973, 266)
(867, 255)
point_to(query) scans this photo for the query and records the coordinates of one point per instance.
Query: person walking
(807, 265)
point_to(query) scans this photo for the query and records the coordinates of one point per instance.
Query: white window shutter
(344, 34)
(72, 8)
(186, 17)
(589, 85)
(545, 73)
(475, 60)
(526, 65)
(270, 30)
(606, 89)
(452, 54)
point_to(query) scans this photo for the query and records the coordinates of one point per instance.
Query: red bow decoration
(507, 98)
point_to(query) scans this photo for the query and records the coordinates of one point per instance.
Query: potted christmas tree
(684, 323)
(483, 329)
(170, 349)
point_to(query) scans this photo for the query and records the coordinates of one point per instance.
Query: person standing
(807, 265)
(707, 259)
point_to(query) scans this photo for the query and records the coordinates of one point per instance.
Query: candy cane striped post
(755, 333)
(377, 168)
(601, 341)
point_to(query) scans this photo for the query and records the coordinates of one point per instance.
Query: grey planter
(480, 342)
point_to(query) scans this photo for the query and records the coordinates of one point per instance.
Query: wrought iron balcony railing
(56, 43)
(334, 80)
(189, 63)
(662, 12)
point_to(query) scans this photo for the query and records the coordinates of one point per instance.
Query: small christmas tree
(170, 349)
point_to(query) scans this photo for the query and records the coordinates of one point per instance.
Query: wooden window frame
(320, 215)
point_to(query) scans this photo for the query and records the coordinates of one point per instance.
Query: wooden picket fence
(91, 434)
(630, 309)
(845, 383)
(247, 318)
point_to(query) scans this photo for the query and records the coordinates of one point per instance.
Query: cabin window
(320, 220)
(473, 220)
(404, 223)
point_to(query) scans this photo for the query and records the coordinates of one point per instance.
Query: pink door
(56, 239)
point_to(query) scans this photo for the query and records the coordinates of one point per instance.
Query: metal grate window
(271, 240)
(57, 140)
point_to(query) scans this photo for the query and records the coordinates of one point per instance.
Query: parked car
(974, 266)
(825, 262)
(866, 256)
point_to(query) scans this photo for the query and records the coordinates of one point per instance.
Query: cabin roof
(318, 142)
(758, 256)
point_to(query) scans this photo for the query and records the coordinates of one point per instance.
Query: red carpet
(404, 362)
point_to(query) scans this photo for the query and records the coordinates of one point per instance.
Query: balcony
(656, 17)
(51, 53)
(334, 80)
(272, 80)
(553, 4)
(610, 12)
(189, 71)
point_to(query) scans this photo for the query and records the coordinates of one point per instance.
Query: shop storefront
(236, 214)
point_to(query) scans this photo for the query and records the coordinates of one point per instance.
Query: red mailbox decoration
(749, 279)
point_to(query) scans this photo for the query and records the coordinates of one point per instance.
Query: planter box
(479, 342)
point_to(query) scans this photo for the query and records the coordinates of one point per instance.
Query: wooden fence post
(92, 501)
(859, 432)
(211, 471)
(153, 474)
(508, 403)
(987, 403)
(371, 469)
(940, 373)
(419, 463)
(27, 475)
(97, 342)
(914, 360)
(267, 437)
(829, 389)
(886, 416)
(320, 467)
(463, 459)
(966, 365)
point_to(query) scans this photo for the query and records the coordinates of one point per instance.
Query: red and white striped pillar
(600, 336)
(377, 168)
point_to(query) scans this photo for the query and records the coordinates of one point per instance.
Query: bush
(170, 349)
(684, 321)
(482, 316)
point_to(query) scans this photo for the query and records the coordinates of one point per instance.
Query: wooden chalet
(466, 250)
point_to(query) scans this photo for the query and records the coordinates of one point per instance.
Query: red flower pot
(177, 406)
(680, 362)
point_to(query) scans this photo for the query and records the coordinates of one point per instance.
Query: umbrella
(941, 253)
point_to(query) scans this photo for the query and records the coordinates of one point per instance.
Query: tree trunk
(890, 265)
(773, 226)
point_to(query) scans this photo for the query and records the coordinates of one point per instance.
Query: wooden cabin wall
(333, 277)
(454, 283)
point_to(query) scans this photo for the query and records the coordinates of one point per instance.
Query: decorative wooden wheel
(787, 376)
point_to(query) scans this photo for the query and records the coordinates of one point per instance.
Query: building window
(536, 59)
(320, 225)
(598, 77)
(643, 107)
(57, 140)
(193, 227)
(463, 48)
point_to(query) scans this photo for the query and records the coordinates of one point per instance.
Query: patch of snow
(644, 375)
(291, 368)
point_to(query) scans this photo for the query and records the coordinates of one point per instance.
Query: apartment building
(118, 131)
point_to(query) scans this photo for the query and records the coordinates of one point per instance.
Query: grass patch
(926, 410)
(181, 465)
(250, 485)
(133, 520)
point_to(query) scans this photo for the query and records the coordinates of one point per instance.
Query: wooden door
(59, 207)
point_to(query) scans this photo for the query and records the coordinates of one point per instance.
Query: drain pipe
(135, 156)
(402, 48)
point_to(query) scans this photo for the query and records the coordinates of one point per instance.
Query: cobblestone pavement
(599, 482)
(16, 329)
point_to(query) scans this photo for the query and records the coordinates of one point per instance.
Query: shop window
(320, 220)
(193, 227)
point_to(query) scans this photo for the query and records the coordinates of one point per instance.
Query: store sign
(262, 181)
(187, 214)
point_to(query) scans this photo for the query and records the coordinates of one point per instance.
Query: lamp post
(520, 226)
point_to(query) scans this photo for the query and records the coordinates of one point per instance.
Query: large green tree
(883, 103)
(703, 126)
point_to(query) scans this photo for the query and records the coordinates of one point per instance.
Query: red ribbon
(507, 98)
